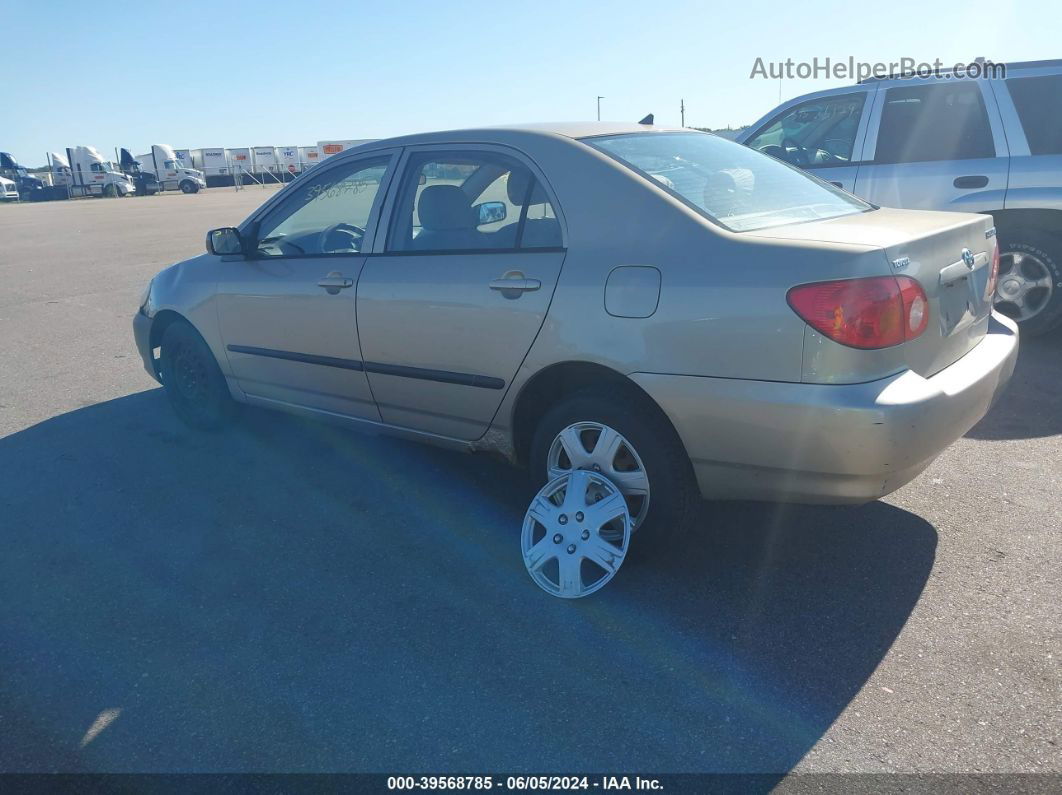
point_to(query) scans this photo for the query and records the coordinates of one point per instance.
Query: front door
(823, 135)
(453, 301)
(287, 313)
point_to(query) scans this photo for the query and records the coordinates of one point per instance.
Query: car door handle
(334, 282)
(970, 182)
(837, 184)
(520, 285)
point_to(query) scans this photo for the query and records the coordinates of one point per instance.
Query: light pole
(599, 108)
(682, 111)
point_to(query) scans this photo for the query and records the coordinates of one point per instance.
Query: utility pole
(599, 108)
(682, 111)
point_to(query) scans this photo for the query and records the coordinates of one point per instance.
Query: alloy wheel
(1024, 287)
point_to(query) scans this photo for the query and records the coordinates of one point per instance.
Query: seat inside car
(538, 232)
(447, 220)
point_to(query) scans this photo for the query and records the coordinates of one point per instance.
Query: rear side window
(737, 187)
(934, 122)
(1039, 104)
(471, 201)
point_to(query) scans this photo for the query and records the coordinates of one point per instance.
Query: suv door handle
(519, 285)
(334, 282)
(970, 182)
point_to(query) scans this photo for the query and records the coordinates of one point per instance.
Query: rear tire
(1039, 255)
(194, 384)
(673, 495)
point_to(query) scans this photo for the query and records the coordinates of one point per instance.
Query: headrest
(516, 187)
(728, 183)
(445, 207)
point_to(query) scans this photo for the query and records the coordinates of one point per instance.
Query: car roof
(1011, 66)
(510, 132)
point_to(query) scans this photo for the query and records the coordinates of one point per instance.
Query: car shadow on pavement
(290, 596)
(1031, 405)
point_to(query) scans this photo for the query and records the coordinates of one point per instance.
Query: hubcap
(1025, 285)
(596, 447)
(574, 558)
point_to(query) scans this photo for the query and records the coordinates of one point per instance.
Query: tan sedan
(679, 313)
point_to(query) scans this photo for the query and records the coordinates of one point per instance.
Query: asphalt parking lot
(292, 596)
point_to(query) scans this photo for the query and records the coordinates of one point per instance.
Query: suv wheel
(193, 381)
(1029, 289)
(635, 448)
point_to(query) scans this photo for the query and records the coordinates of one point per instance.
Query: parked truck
(84, 172)
(163, 162)
(146, 182)
(8, 190)
(28, 186)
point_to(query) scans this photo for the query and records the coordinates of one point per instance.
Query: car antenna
(647, 120)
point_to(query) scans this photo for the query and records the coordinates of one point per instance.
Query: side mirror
(225, 241)
(490, 212)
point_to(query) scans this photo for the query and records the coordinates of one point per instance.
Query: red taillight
(993, 272)
(876, 312)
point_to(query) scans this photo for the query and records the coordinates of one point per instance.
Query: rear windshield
(735, 186)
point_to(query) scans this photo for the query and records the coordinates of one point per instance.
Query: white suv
(990, 145)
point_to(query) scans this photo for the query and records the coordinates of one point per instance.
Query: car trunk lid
(930, 248)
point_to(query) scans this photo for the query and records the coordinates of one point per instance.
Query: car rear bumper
(142, 337)
(821, 443)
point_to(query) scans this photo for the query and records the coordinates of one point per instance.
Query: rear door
(823, 135)
(287, 312)
(449, 306)
(1031, 106)
(935, 145)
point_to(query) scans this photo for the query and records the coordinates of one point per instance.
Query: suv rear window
(735, 186)
(1039, 104)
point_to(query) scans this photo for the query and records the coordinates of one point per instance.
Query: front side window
(1038, 101)
(945, 121)
(471, 201)
(737, 187)
(819, 132)
(325, 214)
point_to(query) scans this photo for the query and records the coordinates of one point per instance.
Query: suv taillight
(875, 312)
(993, 273)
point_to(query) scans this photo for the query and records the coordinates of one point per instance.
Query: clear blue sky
(195, 74)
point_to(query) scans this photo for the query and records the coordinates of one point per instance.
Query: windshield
(733, 185)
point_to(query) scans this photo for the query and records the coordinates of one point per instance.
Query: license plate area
(958, 305)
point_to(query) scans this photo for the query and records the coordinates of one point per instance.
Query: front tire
(1029, 289)
(633, 445)
(187, 186)
(194, 384)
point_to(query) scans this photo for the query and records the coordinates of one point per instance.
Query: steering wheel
(774, 150)
(353, 234)
(795, 153)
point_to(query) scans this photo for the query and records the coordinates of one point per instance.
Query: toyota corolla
(678, 313)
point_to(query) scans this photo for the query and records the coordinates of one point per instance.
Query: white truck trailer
(329, 148)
